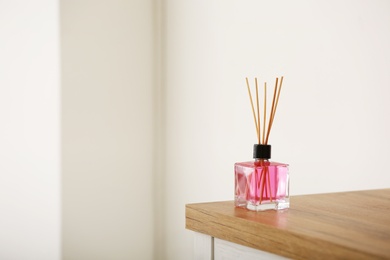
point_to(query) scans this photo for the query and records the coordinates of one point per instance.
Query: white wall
(107, 129)
(333, 120)
(29, 130)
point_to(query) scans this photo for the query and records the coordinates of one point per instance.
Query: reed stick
(265, 109)
(277, 99)
(253, 109)
(269, 185)
(272, 111)
(258, 112)
(262, 176)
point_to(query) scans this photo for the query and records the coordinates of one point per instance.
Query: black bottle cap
(261, 151)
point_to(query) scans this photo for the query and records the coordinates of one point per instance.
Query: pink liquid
(261, 185)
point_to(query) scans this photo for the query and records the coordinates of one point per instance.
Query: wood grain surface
(345, 225)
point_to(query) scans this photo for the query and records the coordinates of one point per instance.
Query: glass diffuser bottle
(262, 184)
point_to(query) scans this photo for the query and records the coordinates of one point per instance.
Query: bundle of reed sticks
(264, 131)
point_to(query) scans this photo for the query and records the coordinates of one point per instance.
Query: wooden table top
(345, 225)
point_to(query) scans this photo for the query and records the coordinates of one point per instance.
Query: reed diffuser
(262, 184)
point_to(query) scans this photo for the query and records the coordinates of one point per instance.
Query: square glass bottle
(261, 184)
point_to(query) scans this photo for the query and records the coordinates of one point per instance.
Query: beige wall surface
(107, 129)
